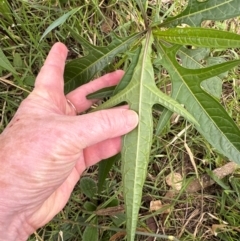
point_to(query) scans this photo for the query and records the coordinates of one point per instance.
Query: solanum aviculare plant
(189, 97)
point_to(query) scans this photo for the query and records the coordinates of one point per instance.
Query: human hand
(46, 147)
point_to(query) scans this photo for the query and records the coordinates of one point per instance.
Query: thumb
(98, 126)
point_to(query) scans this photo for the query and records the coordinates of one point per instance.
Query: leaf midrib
(198, 40)
(140, 111)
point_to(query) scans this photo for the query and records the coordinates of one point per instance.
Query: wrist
(15, 228)
(13, 224)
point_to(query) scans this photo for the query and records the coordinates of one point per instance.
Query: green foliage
(90, 233)
(104, 168)
(58, 22)
(194, 86)
(5, 11)
(88, 187)
(214, 122)
(80, 71)
(199, 37)
(191, 59)
(196, 72)
(5, 64)
(198, 11)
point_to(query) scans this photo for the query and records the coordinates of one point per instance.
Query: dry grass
(194, 212)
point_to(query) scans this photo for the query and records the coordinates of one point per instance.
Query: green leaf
(5, 11)
(113, 203)
(5, 64)
(91, 232)
(104, 168)
(113, 90)
(215, 124)
(106, 165)
(17, 61)
(82, 70)
(133, 56)
(142, 6)
(141, 94)
(198, 11)
(58, 22)
(199, 37)
(119, 219)
(89, 206)
(103, 93)
(217, 180)
(192, 58)
(88, 186)
(29, 80)
(163, 120)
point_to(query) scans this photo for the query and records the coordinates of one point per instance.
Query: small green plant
(95, 207)
(89, 189)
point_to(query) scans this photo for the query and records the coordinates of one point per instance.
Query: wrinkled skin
(46, 147)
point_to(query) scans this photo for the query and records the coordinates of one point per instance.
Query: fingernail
(132, 118)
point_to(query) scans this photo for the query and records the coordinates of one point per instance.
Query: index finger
(51, 74)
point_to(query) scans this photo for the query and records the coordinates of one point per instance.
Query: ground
(208, 210)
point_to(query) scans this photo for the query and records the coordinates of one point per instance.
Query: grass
(189, 216)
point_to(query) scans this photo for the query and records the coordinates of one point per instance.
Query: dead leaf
(118, 236)
(107, 25)
(206, 181)
(155, 205)
(167, 1)
(174, 180)
(111, 211)
(191, 156)
(215, 227)
(237, 83)
(152, 225)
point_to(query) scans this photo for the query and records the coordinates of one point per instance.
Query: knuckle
(107, 120)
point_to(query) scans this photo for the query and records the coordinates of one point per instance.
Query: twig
(206, 180)
(11, 83)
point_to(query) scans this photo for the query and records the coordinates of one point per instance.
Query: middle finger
(78, 96)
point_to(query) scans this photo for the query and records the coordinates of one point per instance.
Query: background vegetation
(195, 212)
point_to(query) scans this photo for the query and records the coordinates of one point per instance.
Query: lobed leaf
(133, 56)
(191, 59)
(113, 90)
(215, 124)
(106, 165)
(82, 70)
